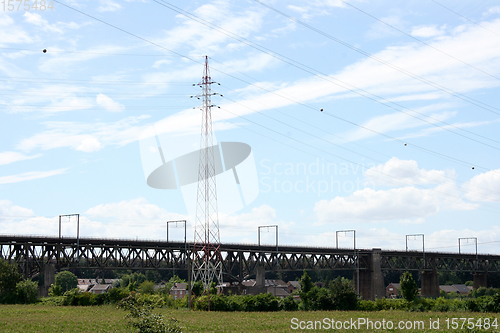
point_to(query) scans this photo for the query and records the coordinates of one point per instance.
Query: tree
(343, 294)
(147, 287)
(197, 288)
(66, 280)
(305, 283)
(9, 277)
(409, 289)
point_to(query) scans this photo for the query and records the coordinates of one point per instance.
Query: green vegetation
(49, 319)
(12, 288)
(26, 292)
(409, 289)
(9, 277)
(66, 280)
(337, 295)
(141, 317)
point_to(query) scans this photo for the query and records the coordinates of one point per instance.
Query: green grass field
(42, 318)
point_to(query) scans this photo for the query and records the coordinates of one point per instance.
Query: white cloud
(8, 211)
(108, 6)
(492, 11)
(109, 104)
(484, 187)
(204, 40)
(39, 21)
(89, 144)
(10, 33)
(138, 210)
(453, 127)
(400, 121)
(58, 62)
(8, 157)
(30, 176)
(427, 31)
(85, 137)
(396, 172)
(405, 204)
(380, 30)
(438, 241)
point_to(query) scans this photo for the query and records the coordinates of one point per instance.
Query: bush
(147, 287)
(343, 295)
(441, 305)
(27, 292)
(70, 297)
(66, 280)
(141, 317)
(114, 295)
(289, 304)
(9, 277)
(55, 290)
(52, 300)
(409, 289)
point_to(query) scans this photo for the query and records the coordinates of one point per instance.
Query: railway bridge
(36, 255)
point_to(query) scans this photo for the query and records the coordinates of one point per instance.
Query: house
(100, 288)
(178, 290)
(393, 290)
(448, 289)
(280, 292)
(86, 284)
(293, 285)
(462, 289)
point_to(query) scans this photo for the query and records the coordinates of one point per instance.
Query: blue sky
(406, 142)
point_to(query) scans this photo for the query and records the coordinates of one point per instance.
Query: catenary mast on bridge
(207, 260)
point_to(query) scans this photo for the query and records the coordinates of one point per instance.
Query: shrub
(27, 292)
(147, 287)
(70, 296)
(114, 295)
(66, 280)
(55, 290)
(141, 317)
(9, 277)
(364, 305)
(343, 295)
(53, 300)
(441, 305)
(409, 289)
(289, 304)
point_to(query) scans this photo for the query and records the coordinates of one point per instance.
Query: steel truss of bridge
(239, 260)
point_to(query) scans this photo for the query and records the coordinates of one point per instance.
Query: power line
(408, 173)
(418, 40)
(451, 92)
(97, 53)
(446, 195)
(468, 19)
(287, 60)
(340, 83)
(170, 50)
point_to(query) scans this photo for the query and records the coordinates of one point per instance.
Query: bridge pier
(430, 284)
(371, 280)
(480, 280)
(49, 278)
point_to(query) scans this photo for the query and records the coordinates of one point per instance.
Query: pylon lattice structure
(207, 260)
